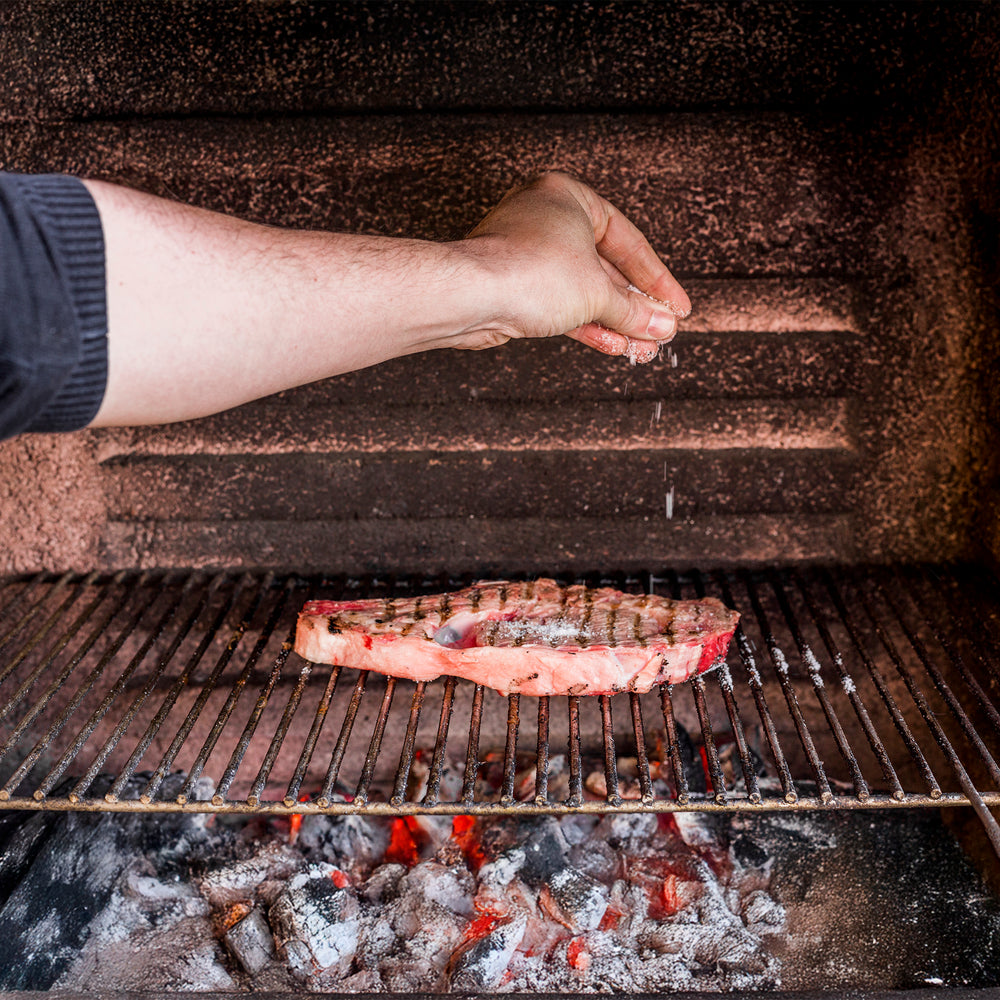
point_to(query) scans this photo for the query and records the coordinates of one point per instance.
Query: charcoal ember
(578, 828)
(432, 832)
(762, 914)
(502, 870)
(238, 881)
(699, 830)
(59, 887)
(746, 850)
(383, 883)
(377, 941)
(352, 843)
(365, 981)
(250, 941)
(409, 941)
(316, 924)
(575, 900)
(167, 921)
(481, 963)
(448, 887)
(632, 832)
(450, 787)
(557, 778)
(545, 850)
(597, 859)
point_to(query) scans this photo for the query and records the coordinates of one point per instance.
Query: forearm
(215, 311)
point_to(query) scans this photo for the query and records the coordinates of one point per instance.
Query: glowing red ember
(465, 834)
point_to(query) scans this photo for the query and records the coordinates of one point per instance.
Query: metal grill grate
(844, 688)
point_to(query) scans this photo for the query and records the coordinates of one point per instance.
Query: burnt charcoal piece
(316, 923)
(545, 851)
(581, 901)
(250, 942)
(59, 874)
(480, 965)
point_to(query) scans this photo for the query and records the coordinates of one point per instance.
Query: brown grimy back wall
(821, 177)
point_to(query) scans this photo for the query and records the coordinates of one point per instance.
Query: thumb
(630, 312)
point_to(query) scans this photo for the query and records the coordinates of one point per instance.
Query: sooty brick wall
(820, 176)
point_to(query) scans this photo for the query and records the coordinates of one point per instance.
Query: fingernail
(661, 327)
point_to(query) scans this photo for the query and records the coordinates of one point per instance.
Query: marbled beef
(536, 638)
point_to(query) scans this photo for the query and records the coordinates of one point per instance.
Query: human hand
(570, 263)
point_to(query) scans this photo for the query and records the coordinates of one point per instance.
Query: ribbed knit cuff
(64, 205)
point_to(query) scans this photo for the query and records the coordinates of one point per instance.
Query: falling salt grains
(657, 413)
(669, 504)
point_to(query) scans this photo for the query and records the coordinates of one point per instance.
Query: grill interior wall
(819, 177)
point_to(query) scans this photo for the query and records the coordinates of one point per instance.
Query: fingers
(620, 244)
(623, 245)
(616, 344)
(636, 315)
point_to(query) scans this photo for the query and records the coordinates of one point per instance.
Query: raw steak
(536, 638)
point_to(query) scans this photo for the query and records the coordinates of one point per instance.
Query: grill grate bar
(309, 747)
(291, 707)
(725, 679)
(851, 690)
(510, 749)
(251, 726)
(33, 610)
(43, 630)
(939, 682)
(172, 695)
(757, 690)
(39, 748)
(81, 787)
(23, 588)
(992, 827)
(984, 631)
(933, 788)
(641, 756)
(575, 762)
(819, 689)
(920, 627)
(371, 758)
(472, 754)
(542, 752)
(62, 642)
(781, 667)
(673, 749)
(441, 743)
(337, 758)
(194, 773)
(117, 688)
(711, 753)
(409, 745)
(612, 792)
(194, 713)
(920, 602)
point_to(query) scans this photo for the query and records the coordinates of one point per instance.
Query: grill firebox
(844, 688)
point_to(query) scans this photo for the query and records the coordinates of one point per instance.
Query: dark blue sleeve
(53, 305)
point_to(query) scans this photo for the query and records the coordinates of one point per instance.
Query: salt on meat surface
(534, 638)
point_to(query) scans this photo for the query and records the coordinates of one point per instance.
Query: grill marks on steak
(536, 638)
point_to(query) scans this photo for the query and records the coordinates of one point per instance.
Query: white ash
(580, 904)
(250, 941)
(316, 924)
